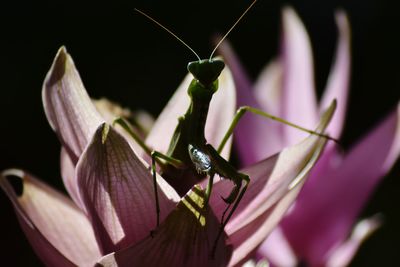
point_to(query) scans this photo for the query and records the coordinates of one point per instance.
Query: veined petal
(67, 105)
(299, 101)
(58, 231)
(321, 220)
(252, 130)
(339, 77)
(111, 111)
(185, 238)
(341, 256)
(116, 189)
(222, 109)
(275, 183)
(68, 176)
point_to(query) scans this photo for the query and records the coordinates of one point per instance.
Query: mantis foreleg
(175, 162)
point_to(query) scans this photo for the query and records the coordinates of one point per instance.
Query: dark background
(123, 56)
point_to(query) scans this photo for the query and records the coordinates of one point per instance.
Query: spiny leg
(221, 167)
(232, 196)
(242, 110)
(175, 162)
(224, 213)
(246, 179)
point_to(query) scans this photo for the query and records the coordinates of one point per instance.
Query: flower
(110, 212)
(317, 229)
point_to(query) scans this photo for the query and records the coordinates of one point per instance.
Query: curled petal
(320, 219)
(59, 232)
(116, 189)
(338, 81)
(252, 130)
(185, 238)
(275, 183)
(342, 255)
(299, 101)
(67, 105)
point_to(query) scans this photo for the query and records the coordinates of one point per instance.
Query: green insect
(189, 153)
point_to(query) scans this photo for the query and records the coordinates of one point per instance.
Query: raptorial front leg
(246, 180)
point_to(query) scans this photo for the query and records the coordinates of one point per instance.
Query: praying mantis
(189, 150)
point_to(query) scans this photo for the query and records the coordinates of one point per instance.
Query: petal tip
(342, 20)
(62, 50)
(289, 14)
(58, 67)
(105, 129)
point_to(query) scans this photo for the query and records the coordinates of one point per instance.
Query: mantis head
(206, 71)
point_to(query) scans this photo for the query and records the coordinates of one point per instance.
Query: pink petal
(164, 127)
(221, 113)
(111, 111)
(299, 101)
(117, 191)
(342, 255)
(252, 129)
(321, 219)
(68, 108)
(68, 177)
(338, 81)
(277, 250)
(58, 231)
(183, 239)
(222, 109)
(268, 88)
(275, 183)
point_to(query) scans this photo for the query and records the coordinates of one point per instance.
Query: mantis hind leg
(242, 110)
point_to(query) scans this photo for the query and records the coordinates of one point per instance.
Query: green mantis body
(189, 148)
(189, 152)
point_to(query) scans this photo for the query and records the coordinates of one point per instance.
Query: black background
(123, 56)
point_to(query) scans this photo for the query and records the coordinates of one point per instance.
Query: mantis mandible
(189, 150)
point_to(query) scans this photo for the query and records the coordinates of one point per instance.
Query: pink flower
(317, 229)
(110, 211)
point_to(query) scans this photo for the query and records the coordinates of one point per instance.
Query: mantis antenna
(233, 26)
(167, 30)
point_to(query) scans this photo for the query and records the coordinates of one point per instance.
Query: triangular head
(206, 71)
